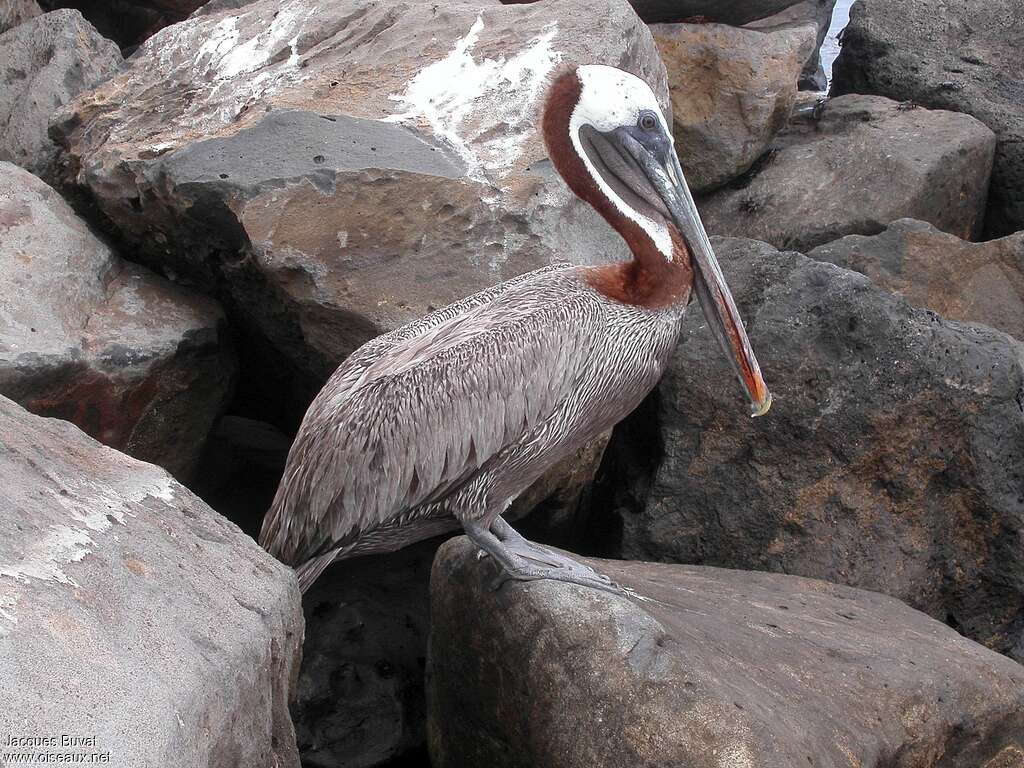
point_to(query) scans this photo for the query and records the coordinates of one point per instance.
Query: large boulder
(860, 163)
(129, 22)
(44, 63)
(819, 12)
(735, 12)
(891, 460)
(978, 282)
(962, 56)
(132, 615)
(705, 668)
(135, 361)
(15, 12)
(732, 91)
(338, 170)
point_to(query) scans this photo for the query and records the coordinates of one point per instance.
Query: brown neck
(650, 280)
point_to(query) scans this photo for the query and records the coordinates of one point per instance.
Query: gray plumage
(449, 418)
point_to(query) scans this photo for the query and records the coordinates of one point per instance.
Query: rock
(136, 362)
(44, 63)
(15, 12)
(337, 171)
(865, 162)
(732, 91)
(962, 56)
(705, 667)
(812, 78)
(734, 12)
(129, 22)
(978, 282)
(133, 613)
(891, 459)
(359, 699)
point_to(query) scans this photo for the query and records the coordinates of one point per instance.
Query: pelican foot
(577, 574)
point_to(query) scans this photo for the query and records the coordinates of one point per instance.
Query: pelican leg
(520, 560)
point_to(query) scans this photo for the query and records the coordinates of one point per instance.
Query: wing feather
(411, 417)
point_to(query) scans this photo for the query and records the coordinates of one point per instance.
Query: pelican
(441, 423)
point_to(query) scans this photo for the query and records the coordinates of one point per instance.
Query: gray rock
(866, 161)
(44, 63)
(129, 22)
(339, 170)
(135, 361)
(977, 282)
(732, 91)
(705, 668)
(819, 12)
(891, 460)
(962, 56)
(133, 613)
(15, 12)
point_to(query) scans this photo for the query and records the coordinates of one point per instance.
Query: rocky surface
(961, 56)
(14, 12)
(129, 22)
(136, 362)
(44, 63)
(977, 282)
(818, 12)
(359, 699)
(327, 208)
(732, 91)
(864, 162)
(132, 612)
(705, 667)
(890, 459)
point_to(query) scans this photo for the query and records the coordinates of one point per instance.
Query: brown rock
(865, 162)
(339, 170)
(136, 362)
(732, 91)
(132, 613)
(819, 12)
(44, 63)
(705, 668)
(891, 459)
(978, 282)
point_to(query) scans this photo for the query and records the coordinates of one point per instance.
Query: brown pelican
(443, 422)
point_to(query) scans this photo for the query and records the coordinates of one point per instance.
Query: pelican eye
(647, 122)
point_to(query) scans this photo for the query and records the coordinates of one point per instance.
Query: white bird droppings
(484, 109)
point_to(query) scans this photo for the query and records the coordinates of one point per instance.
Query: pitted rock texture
(44, 63)
(705, 668)
(891, 459)
(132, 612)
(135, 361)
(863, 163)
(963, 56)
(976, 282)
(732, 91)
(335, 171)
(15, 12)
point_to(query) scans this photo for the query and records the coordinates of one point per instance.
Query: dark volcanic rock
(706, 668)
(335, 171)
(131, 612)
(359, 700)
(732, 91)
(892, 459)
(866, 162)
(963, 56)
(979, 282)
(733, 12)
(129, 22)
(135, 361)
(44, 63)
(15, 12)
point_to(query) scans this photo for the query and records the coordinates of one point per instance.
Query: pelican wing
(420, 416)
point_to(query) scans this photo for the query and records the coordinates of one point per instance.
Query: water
(830, 48)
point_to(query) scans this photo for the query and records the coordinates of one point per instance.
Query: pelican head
(608, 138)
